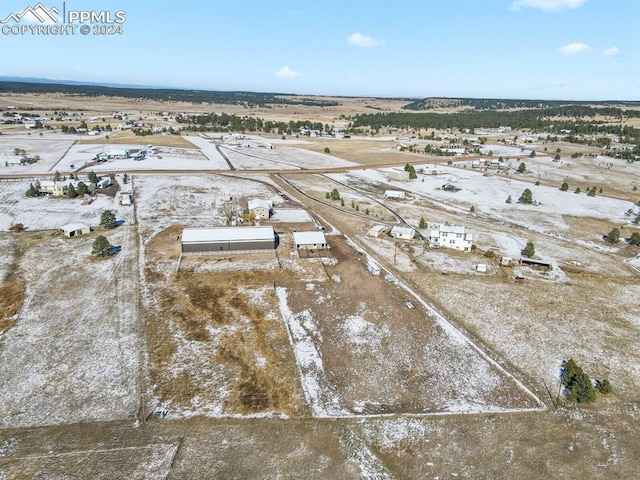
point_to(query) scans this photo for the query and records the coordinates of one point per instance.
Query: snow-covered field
(280, 158)
(489, 194)
(46, 213)
(51, 147)
(74, 353)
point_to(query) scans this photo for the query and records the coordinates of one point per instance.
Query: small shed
(309, 240)
(397, 174)
(75, 229)
(378, 230)
(394, 194)
(535, 263)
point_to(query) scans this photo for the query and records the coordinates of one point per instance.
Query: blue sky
(547, 49)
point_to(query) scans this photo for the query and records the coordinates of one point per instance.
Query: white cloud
(361, 40)
(287, 72)
(611, 52)
(574, 49)
(547, 5)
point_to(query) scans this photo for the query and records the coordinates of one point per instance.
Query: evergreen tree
(335, 195)
(580, 389)
(614, 235)
(577, 190)
(82, 188)
(564, 187)
(522, 168)
(93, 178)
(71, 191)
(101, 247)
(529, 250)
(592, 192)
(423, 223)
(509, 200)
(31, 192)
(526, 197)
(342, 202)
(108, 219)
(635, 239)
(125, 179)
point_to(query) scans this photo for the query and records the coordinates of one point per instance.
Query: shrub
(604, 386)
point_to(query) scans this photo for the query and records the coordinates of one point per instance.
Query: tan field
(293, 363)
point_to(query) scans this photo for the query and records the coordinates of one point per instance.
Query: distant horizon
(71, 82)
(565, 50)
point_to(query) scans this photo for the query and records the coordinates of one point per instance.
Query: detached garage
(309, 240)
(75, 229)
(227, 239)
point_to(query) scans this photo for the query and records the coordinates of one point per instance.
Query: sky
(528, 49)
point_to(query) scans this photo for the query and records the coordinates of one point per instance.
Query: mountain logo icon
(37, 14)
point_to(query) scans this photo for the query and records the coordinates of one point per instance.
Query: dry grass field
(151, 364)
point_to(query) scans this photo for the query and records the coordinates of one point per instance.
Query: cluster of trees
(165, 94)
(501, 104)
(101, 246)
(333, 195)
(578, 386)
(412, 171)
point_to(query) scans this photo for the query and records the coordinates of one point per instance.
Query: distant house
(118, 154)
(309, 240)
(49, 187)
(394, 194)
(451, 236)
(75, 229)
(261, 209)
(397, 174)
(403, 233)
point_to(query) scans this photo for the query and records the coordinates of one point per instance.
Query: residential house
(261, 209)
(451, 236)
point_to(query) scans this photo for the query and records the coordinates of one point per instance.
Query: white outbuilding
(403, 233)
(309, 240)
(75, 229)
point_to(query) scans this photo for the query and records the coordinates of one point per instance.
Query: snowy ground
(280, 158)
(45, 213)
(73, 355)
(489, 194)
(51, 147)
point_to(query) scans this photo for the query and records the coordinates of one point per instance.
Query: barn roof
(72, 227)
(309, 238)
(199, 235)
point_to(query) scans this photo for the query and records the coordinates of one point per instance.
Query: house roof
(452, 229)
(397, 230)
(258, 203)
(309, 238)
(199, 235)
(72, 227)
